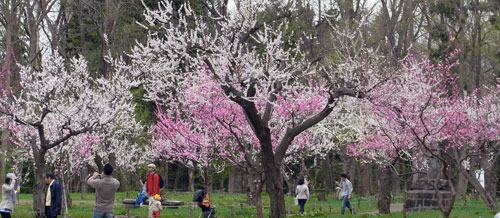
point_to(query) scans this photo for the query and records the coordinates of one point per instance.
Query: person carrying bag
(302, 194)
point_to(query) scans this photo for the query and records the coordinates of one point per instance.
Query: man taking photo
(105, 188)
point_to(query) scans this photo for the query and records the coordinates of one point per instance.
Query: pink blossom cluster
(209, 129)
(422, 110)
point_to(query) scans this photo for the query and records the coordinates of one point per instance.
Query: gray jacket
(7, 193)
(105, 189)
(302, 192)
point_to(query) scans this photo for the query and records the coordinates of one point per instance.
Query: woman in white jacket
(302, 194)
(8, 192)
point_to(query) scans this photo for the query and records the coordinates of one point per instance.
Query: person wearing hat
(8, 196)
(152, 186)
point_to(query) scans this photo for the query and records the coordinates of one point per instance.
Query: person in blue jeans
(345, 192)
(105, 189)
(141, 197)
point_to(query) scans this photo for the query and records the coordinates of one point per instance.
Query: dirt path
(394, 208)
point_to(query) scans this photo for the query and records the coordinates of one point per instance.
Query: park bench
(130, 203)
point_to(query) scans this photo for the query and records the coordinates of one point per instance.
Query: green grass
(82, 208)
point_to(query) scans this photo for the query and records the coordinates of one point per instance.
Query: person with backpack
(153, 182)
(202, 200)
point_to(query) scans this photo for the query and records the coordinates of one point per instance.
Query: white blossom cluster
(64, 111)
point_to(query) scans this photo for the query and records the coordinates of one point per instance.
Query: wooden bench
(130, 203)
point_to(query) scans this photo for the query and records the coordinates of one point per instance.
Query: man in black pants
(52, 197)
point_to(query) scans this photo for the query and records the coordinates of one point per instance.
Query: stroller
(202, 200)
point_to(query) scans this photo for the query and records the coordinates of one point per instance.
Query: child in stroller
(202, 200)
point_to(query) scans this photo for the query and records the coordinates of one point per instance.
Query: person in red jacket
(152, 186)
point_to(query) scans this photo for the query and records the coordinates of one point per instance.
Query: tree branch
(291, 133)
(64, 138)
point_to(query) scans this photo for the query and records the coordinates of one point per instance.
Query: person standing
(345, 192)
(8, 196)
(302, 194)
(156, 206)
(105, 188)
(152, 186)
(53, 196)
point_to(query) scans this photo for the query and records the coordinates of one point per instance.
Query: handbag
(296, 201)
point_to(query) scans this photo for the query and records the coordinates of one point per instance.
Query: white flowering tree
(62, 112)
(254, 65)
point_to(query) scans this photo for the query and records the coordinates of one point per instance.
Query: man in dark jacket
(53, 196)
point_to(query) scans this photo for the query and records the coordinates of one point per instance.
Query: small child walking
(156, 206)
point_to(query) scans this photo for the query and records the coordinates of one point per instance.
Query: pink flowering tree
(210, 131)
(254, 65)
(63, 110)
(420, 114)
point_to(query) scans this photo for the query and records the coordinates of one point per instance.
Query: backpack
(198, 195)
(160, 181)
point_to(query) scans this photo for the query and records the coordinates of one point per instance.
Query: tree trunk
(98, 163)
(207, 181)
(254, 191)
(236, 181)
(274, 183)
(177, 177)
(191, 180)
(82, 32)
(491, 179)
(124, 181)
(304, 171)
(364, 179)
(83, 176)
(258, 205)
(8, 65)
(476, 56)
(165, 174)
(462, 186)
(349, 167)
(39, 187)
(327, 171)
(372, 179)
(444, 172)
(490, 167)
(488, 200)
(221, 185)
(384, 200)
(3, 154)
(290, 182)
(395, 183)
(66, 200)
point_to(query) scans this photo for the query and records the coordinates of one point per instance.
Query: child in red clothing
(156, 206)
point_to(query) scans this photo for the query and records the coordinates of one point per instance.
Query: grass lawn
(82, 208)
